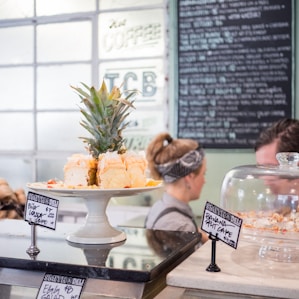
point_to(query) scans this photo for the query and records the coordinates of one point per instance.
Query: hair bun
(169, 139)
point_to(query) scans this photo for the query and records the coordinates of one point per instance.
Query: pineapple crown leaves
(104, 117)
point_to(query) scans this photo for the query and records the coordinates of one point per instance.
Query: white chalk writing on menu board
(221, 224)
(60, 287)
(41, 210)
(234, 69)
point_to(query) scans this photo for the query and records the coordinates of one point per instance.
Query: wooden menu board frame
(235, 69)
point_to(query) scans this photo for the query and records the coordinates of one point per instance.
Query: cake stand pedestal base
(97, 229)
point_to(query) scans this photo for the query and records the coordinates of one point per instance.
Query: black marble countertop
(142, 257)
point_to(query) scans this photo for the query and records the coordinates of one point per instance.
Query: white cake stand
(97, 229)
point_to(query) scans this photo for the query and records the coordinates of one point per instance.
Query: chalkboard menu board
(235, 69)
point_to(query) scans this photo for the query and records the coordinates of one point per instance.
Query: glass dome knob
(288, 159)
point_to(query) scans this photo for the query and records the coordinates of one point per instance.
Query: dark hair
(285, 131)
(163, 149)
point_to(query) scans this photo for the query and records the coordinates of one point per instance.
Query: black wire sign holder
(213, 266)
(220, 225)
(33, 250)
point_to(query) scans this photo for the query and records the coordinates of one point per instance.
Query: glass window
(54, 7)
(60, 131)
(16, 171)
(64, 42)
(16, 87)
(16, 45)
(50, 169)
(16, 131)
(114, 4)
(146, 122)
(54, 85)
(14, 9)
(131, 35)
(147, 76)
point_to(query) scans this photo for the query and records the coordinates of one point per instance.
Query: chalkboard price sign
(234, 69)
(61, 287)
(41, 210)
(221, 224)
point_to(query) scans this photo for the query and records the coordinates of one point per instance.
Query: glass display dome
(266, 198)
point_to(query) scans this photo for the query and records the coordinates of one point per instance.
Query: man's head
(282, 136)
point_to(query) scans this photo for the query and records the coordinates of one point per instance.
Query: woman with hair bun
(181, 164)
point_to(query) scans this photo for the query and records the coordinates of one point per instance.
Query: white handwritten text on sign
(41, 210)
(60, 287)
(221, 224)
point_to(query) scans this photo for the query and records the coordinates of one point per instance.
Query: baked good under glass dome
(266, 198)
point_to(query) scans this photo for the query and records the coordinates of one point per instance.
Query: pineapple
(104, 118)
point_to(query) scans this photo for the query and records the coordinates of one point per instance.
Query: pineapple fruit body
(110, 165)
